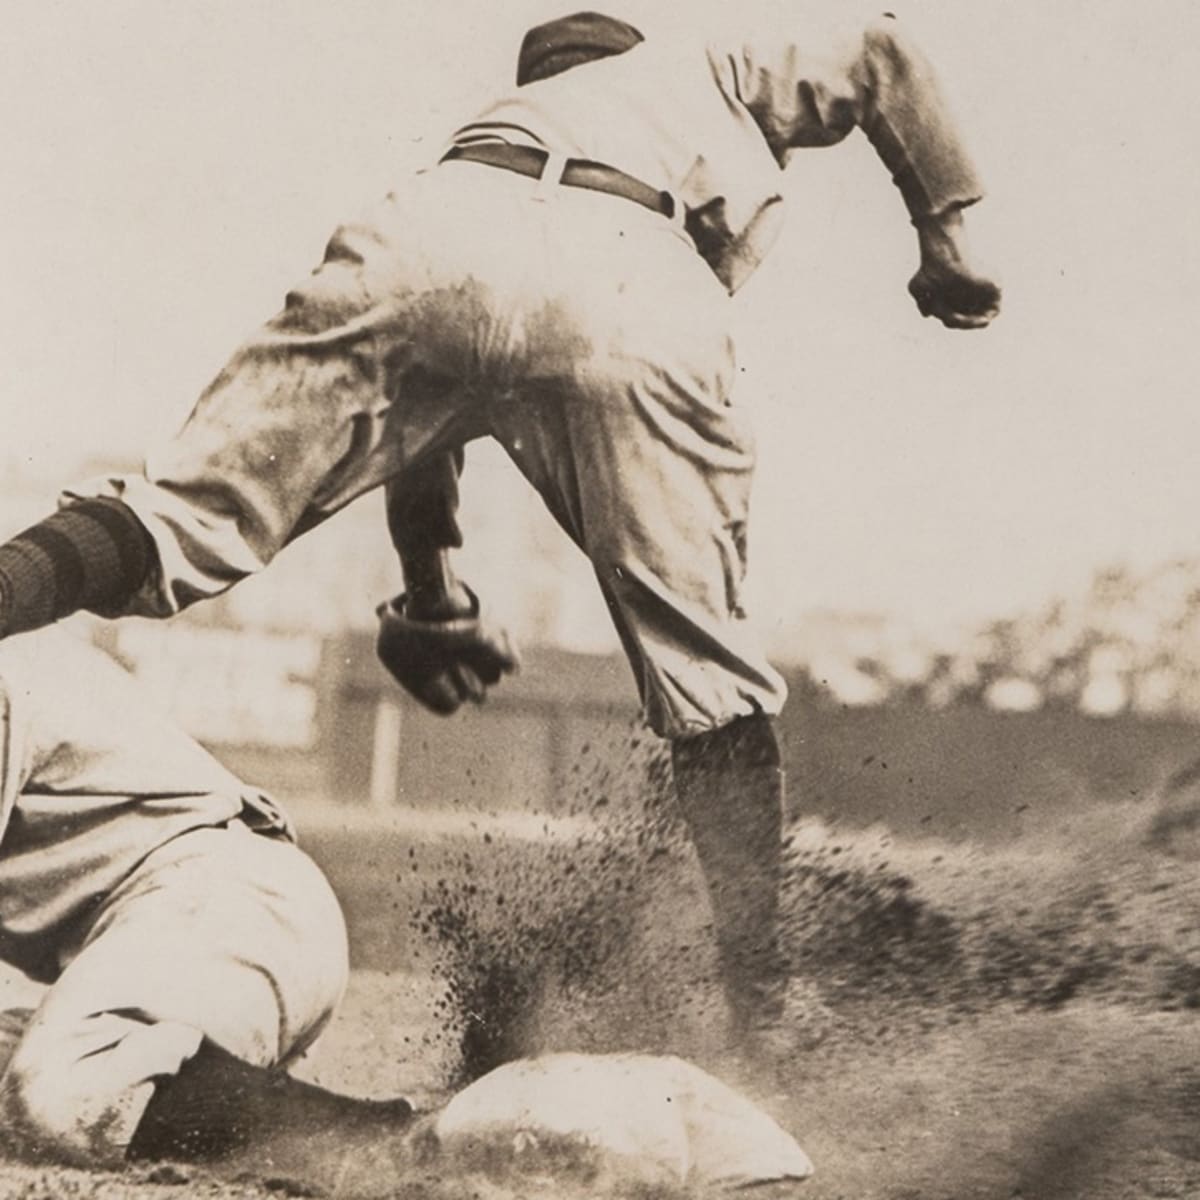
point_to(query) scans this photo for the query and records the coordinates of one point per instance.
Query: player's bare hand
(443, 663)
(945, 286)
(959, 300)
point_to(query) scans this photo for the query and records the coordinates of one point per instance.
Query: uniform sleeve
(832, 75)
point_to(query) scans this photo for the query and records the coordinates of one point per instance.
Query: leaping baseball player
(558, 280)
(193, 953)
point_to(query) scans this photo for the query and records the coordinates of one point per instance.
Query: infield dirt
(964, 1020)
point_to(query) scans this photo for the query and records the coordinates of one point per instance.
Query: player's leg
(327, 400)
(730, 785)
(241, 1119)
(644, 460)
(211, 968)
(710, 696)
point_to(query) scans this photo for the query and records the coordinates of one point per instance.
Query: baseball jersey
(92, 779)
(712, 119)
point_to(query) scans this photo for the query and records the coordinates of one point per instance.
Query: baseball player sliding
(558, 280)
(193, 952)
(189, 945)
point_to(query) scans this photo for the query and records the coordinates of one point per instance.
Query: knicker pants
(221, 933)
(580, 330)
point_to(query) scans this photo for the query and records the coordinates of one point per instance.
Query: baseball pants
(580, 330)
(221, 933)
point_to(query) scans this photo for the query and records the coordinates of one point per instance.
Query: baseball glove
(443, 663)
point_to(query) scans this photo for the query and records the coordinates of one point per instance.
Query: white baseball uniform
(162, 900)
(587, 333)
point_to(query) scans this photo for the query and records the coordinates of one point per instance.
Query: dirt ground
(964, 1021)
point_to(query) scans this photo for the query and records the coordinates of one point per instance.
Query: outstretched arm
(818, 87)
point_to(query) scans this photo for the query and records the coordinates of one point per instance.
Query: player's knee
(40, 1114)
(75, 1094)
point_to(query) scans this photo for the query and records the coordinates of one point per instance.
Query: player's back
(707, 106)
(657, 110)
(94, 776)
(77, 723)
(666, 111)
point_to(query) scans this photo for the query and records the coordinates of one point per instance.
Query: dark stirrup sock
(93, 554)
(730, 787)
(218, 1106)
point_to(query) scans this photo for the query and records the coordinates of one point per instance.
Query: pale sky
(171, 168)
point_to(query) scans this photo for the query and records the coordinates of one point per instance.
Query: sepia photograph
(599, 604)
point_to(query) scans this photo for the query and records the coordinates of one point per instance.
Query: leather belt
(577, 172)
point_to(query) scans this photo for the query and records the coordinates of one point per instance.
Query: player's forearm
(941, 238)
(94, 554)
(432, 590)
(422, 521)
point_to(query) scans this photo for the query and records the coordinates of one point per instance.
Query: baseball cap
(567, 41)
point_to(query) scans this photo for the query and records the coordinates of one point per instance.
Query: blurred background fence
(980, 729)
(315, 719)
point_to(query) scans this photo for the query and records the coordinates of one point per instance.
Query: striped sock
(93, 554)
